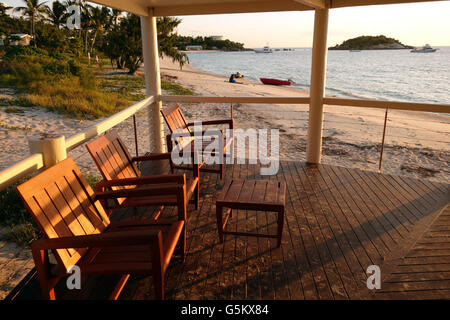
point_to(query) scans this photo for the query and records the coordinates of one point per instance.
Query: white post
(152, 80)
(317, 88)
(52, 147)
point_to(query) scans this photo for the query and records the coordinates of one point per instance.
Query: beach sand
(417, 143)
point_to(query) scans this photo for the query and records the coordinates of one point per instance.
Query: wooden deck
(338, 222)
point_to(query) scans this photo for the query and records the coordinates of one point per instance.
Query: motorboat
(266, 49)
(425, 49)
(275, 82)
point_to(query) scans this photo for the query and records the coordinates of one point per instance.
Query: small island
(187, 43)
(370, 43)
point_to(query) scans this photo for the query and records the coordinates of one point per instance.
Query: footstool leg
(280, 225)
(219, 222)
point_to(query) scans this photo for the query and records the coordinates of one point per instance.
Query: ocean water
(396, 75)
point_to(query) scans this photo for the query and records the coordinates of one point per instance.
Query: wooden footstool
(260, 195)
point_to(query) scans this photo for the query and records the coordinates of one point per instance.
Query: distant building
(194, 48)
(2, 40)
(217, 37)
(19, 39)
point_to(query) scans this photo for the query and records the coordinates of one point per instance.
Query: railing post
(135, 135)
(317, 86)
(382, 141)
(152, 80)
(52, 147)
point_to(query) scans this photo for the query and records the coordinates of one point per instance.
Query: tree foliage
(210, 43)
(123, 44)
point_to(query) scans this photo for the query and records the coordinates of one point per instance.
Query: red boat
(275, 82)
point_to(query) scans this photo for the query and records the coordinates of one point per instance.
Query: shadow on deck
(338, 222)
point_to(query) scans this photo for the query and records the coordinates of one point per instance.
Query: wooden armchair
(176, 121)
(121, 174)
(79, 232)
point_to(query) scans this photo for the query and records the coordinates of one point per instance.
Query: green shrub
(16, 217)
(87, 80)
(26, 73)
(57, 68)
(74, 68)
(15, 51)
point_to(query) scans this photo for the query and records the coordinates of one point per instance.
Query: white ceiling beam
(128, 6)
(355, 3)
(229, 7)
(316, 4)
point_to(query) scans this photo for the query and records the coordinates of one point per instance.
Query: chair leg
(219, 222)
(221, 171)
(197, 197)
(42, 264)
(280, 226)
(157, 266)
(183, 244)
(158, 280)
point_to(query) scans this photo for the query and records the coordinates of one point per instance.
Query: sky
(413, 24)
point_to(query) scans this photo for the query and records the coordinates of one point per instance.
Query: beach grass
(15, 217)
(90, 98)
(68, 98)
(175, 89)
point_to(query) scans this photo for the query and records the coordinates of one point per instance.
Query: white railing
(34, 162)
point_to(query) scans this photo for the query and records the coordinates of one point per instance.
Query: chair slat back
(112, 158)
(176, 122)
(60, 200)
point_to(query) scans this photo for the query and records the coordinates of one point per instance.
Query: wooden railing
(34, 162)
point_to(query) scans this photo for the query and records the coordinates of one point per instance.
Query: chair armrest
(107, 239)
(115, 226)
(212, 122)
(155, 190)
(153, 156)
(157, 179)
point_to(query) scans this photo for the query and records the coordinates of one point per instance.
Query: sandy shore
(417, 143)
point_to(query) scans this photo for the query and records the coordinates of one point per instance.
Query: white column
(152, 80)
(317, 88)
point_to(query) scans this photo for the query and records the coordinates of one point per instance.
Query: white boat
(266, 49)
(425, 49)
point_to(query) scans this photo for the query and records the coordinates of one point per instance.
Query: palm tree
(3, 10)
(34, 10)
(115, 17)
(99, 20)
(57, 14)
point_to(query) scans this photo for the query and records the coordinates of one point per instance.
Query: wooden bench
(260, 195)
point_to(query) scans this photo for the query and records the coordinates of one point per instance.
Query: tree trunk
(93, 41)
(86, 47)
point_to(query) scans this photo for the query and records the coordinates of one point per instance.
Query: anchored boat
(266, 49)
(275, 82)
(425, 49)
